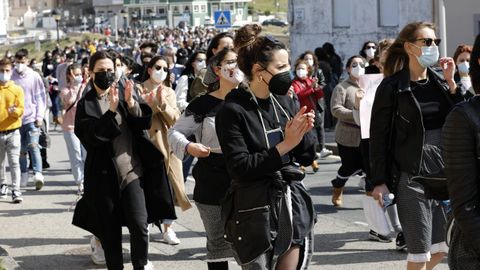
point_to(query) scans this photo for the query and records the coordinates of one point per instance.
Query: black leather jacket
(396, 129)
(461, 142)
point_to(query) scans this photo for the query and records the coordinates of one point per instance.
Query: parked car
(275, 22)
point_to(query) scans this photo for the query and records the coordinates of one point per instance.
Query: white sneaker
(38, 178)
(325, 153)
(171, 237)
(149, 266)
(98, 255)
(24, 179)
(3, 191)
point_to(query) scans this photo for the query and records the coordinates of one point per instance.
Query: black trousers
(135, 213)
(351, 164)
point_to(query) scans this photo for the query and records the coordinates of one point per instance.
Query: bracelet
(186, 147)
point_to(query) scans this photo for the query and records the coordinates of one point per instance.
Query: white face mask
(50, 67)
(310, 62)
(5, 76)
(200, 65)
(235, 76)
(159, 75)
(464, 67)
(301, 73)
(118, 73)
(370, 52)
(78, 79)
(21, 68)
(357, 71)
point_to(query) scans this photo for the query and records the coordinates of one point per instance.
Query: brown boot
(337, 196)
(315, 166)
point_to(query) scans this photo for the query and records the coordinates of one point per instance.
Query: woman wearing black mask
(269, 216)
(125, 180)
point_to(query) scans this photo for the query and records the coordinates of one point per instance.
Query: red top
(307, 95)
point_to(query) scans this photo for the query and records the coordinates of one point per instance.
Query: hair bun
(247, 35)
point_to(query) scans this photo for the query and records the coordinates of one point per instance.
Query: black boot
(217, 265)
(43, 153)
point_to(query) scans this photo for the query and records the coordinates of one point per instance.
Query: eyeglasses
(429, 41)
(370, 47)
(157, 67)
(354, 65)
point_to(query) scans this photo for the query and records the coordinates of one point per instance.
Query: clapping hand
(113, 98)
(129, 93)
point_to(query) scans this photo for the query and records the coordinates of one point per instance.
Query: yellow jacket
(11, 95)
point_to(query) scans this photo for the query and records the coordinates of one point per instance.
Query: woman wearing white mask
(196, 62)
(161, 98)
(211, 178)
(462, 61)
(309, 93)
(368, 51)
(70, 96)
(347, 132)
(408, 114)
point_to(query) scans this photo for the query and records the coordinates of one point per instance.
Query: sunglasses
(371, 47)
(429, 41)
(157, 67)
(354, 65)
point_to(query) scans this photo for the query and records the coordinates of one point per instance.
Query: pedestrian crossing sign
(223, 19)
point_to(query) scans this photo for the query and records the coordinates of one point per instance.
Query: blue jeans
(30, 135)
(76, 154)
(10, 145)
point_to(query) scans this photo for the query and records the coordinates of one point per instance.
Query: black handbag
(432, 175)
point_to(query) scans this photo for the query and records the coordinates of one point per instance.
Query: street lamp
(57, 16)
(124, 14)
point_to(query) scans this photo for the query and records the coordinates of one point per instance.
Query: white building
(3, 18)
(463, 23)
(349, 23)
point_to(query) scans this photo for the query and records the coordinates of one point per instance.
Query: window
(175, 9)
(203, 8)
(214, 7)
(240, 11)
(388, 12)
(228, 6)
(161, 11)
(240, 4)
(342, 13)
(196, 9)
(186, 9)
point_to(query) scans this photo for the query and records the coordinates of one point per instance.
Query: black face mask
(279, 83)
(104, 79)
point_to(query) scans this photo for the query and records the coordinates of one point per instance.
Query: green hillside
(269, 5)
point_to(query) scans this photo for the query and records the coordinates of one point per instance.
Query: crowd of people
(254, 118)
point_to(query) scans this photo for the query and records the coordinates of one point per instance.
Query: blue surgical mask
(464, 67)
(5, 76)
(429, 56)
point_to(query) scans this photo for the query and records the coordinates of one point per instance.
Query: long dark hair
(189, 70)
(70, 69)
(150, 65)
(397, 57)
(475, 66)
(215, 42)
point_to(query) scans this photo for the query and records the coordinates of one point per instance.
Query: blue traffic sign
(223, 19)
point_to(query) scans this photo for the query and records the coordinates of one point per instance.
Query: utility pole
(442, 25)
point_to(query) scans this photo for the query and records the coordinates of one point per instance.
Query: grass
(47, 45)
(269, 5)
(1, 265)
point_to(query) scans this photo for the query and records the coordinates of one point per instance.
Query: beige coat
(163, 118)
(347, 132)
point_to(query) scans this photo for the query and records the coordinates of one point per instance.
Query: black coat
(101, 203)
(461, 143)
(242, 138)
(406, 132)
